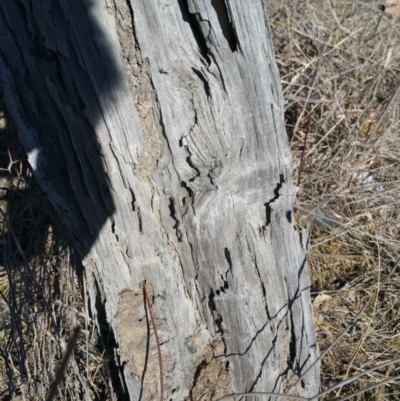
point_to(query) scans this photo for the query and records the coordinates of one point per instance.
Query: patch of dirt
(137, 352)
(211, 378)
(138, 344)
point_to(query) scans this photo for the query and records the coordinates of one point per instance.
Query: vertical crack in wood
(215, 314)
(189, 191)
(107, 339)
(174, 217)
(272, 200)
(264, 292)
(192, 19)
(203, 79)
(225, 22)
(292, 355)
(139, 215)
(228, 259)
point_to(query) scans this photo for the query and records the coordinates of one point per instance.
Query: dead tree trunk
(156, 129)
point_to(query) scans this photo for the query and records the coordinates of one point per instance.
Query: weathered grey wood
(156, 128)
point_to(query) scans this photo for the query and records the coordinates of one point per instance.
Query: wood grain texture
(156, 128)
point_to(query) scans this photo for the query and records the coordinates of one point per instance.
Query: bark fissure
(203, 79)
(264, 291)
(192, 165)
(175, 218)
(260, 371)
(109, 344)
(216, 315)
(257, 333)
(188, 190)
(225, 23)
(139, 215)
(272, 200)
(293, 362)
(192, 19)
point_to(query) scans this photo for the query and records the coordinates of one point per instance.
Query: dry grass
(41, 297)
(340, 69)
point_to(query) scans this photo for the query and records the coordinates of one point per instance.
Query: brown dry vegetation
(340, 71)
(41, 291)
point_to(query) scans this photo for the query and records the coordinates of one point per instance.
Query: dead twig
(153, 323)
